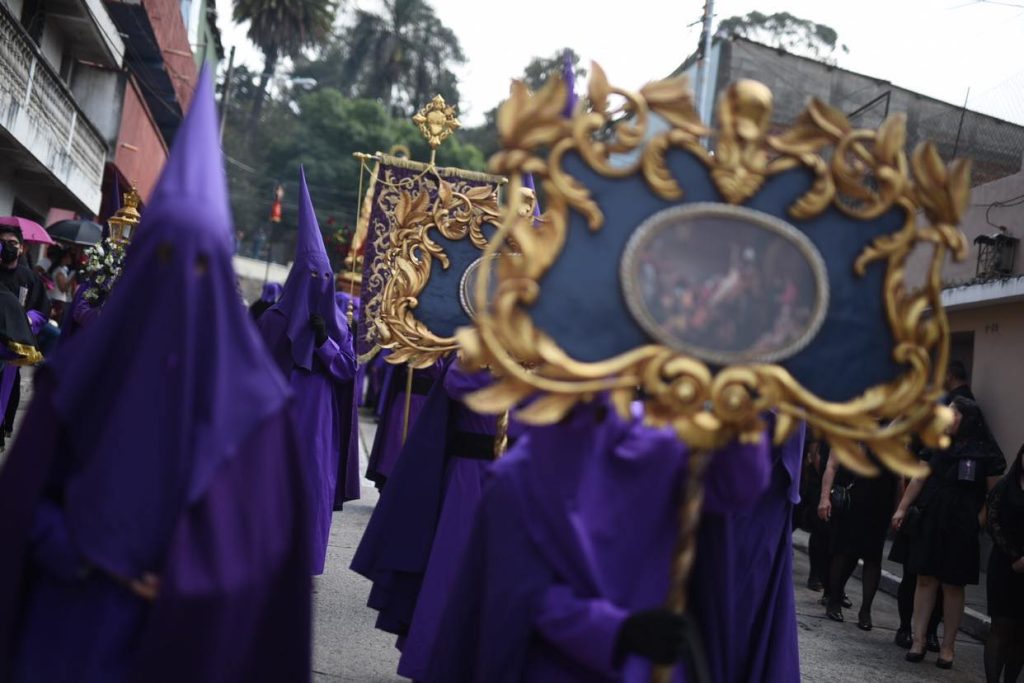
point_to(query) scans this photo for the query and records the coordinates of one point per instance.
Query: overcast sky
(937, 47)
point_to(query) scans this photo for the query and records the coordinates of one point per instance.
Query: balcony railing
(39, 111)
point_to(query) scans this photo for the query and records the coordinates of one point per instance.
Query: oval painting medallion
(468, 285)
(725, 284)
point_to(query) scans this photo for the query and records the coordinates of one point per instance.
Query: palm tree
(283, 28)
(400, 57)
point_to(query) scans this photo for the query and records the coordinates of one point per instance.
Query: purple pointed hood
(569, 76)
(309, 288)
(343, 299)
(159, 392)
(271, 292)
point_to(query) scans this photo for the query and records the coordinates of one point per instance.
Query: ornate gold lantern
(123, 223)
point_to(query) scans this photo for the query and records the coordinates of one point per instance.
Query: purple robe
(387, 442)
(320, 377)
(375, 371)
(79, 314)
(422, 519)
(359, 385)
(575, 532)
(385, 371)
(742, 586)
(395, 547)
(173, 455)
(467, 464)
(235, 602)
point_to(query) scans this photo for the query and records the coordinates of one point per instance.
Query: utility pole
(703, 85)
(960, 126)
(225, 97)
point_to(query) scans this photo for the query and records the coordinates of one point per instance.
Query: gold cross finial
(436, 121)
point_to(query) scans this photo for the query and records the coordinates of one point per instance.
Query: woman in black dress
(1004, 649)
(856, 532)
(816, 454)
(944, 546)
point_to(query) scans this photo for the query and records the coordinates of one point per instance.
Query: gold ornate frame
(708, 408)
(406, 250)
(459, 212)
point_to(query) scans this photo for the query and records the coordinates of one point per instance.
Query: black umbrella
(76, 231)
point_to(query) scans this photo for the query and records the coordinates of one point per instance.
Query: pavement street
(346, 646)
(831, 651)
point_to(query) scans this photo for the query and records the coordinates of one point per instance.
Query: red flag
(275, 208)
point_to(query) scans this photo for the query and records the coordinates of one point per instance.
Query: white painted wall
(52, 44)
(6, 197)
(15, 6)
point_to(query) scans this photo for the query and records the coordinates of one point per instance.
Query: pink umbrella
(30, 230)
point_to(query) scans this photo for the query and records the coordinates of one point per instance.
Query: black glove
(319, 327)
(657, 634)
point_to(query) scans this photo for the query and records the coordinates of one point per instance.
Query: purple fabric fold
(576, 528)
(174, 454)
(191, 338)
(323, 416)
(349, 401)
(320, 377)
(387, 442)
(395, 547)
(742, 586)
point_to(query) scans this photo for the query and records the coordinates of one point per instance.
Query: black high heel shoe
(915, 657)
(864, 622)
(944, 663)
(904, 639)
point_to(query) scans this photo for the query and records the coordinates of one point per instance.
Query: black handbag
(840, 497)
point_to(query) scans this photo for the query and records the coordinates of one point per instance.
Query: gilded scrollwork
(861, 173)
(395, 178)
(459, 211)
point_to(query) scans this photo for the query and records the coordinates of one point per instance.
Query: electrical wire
(1002, 204)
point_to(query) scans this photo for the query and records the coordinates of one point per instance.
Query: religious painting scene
(723, 287)
(264, 422)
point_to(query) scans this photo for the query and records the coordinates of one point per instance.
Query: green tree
(320, 131)
(783, 30)
(536, 73)
(401, 57)
(283, 28)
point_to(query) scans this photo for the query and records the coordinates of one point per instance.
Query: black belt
(422, 385)
(474, 446)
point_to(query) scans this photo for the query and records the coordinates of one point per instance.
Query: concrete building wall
(6, 196)
(983, 208)
(172, 37)
(995, 146)
(997, 373)
(99, 93)
(51, 44)
(141, 152)
(15, 6)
